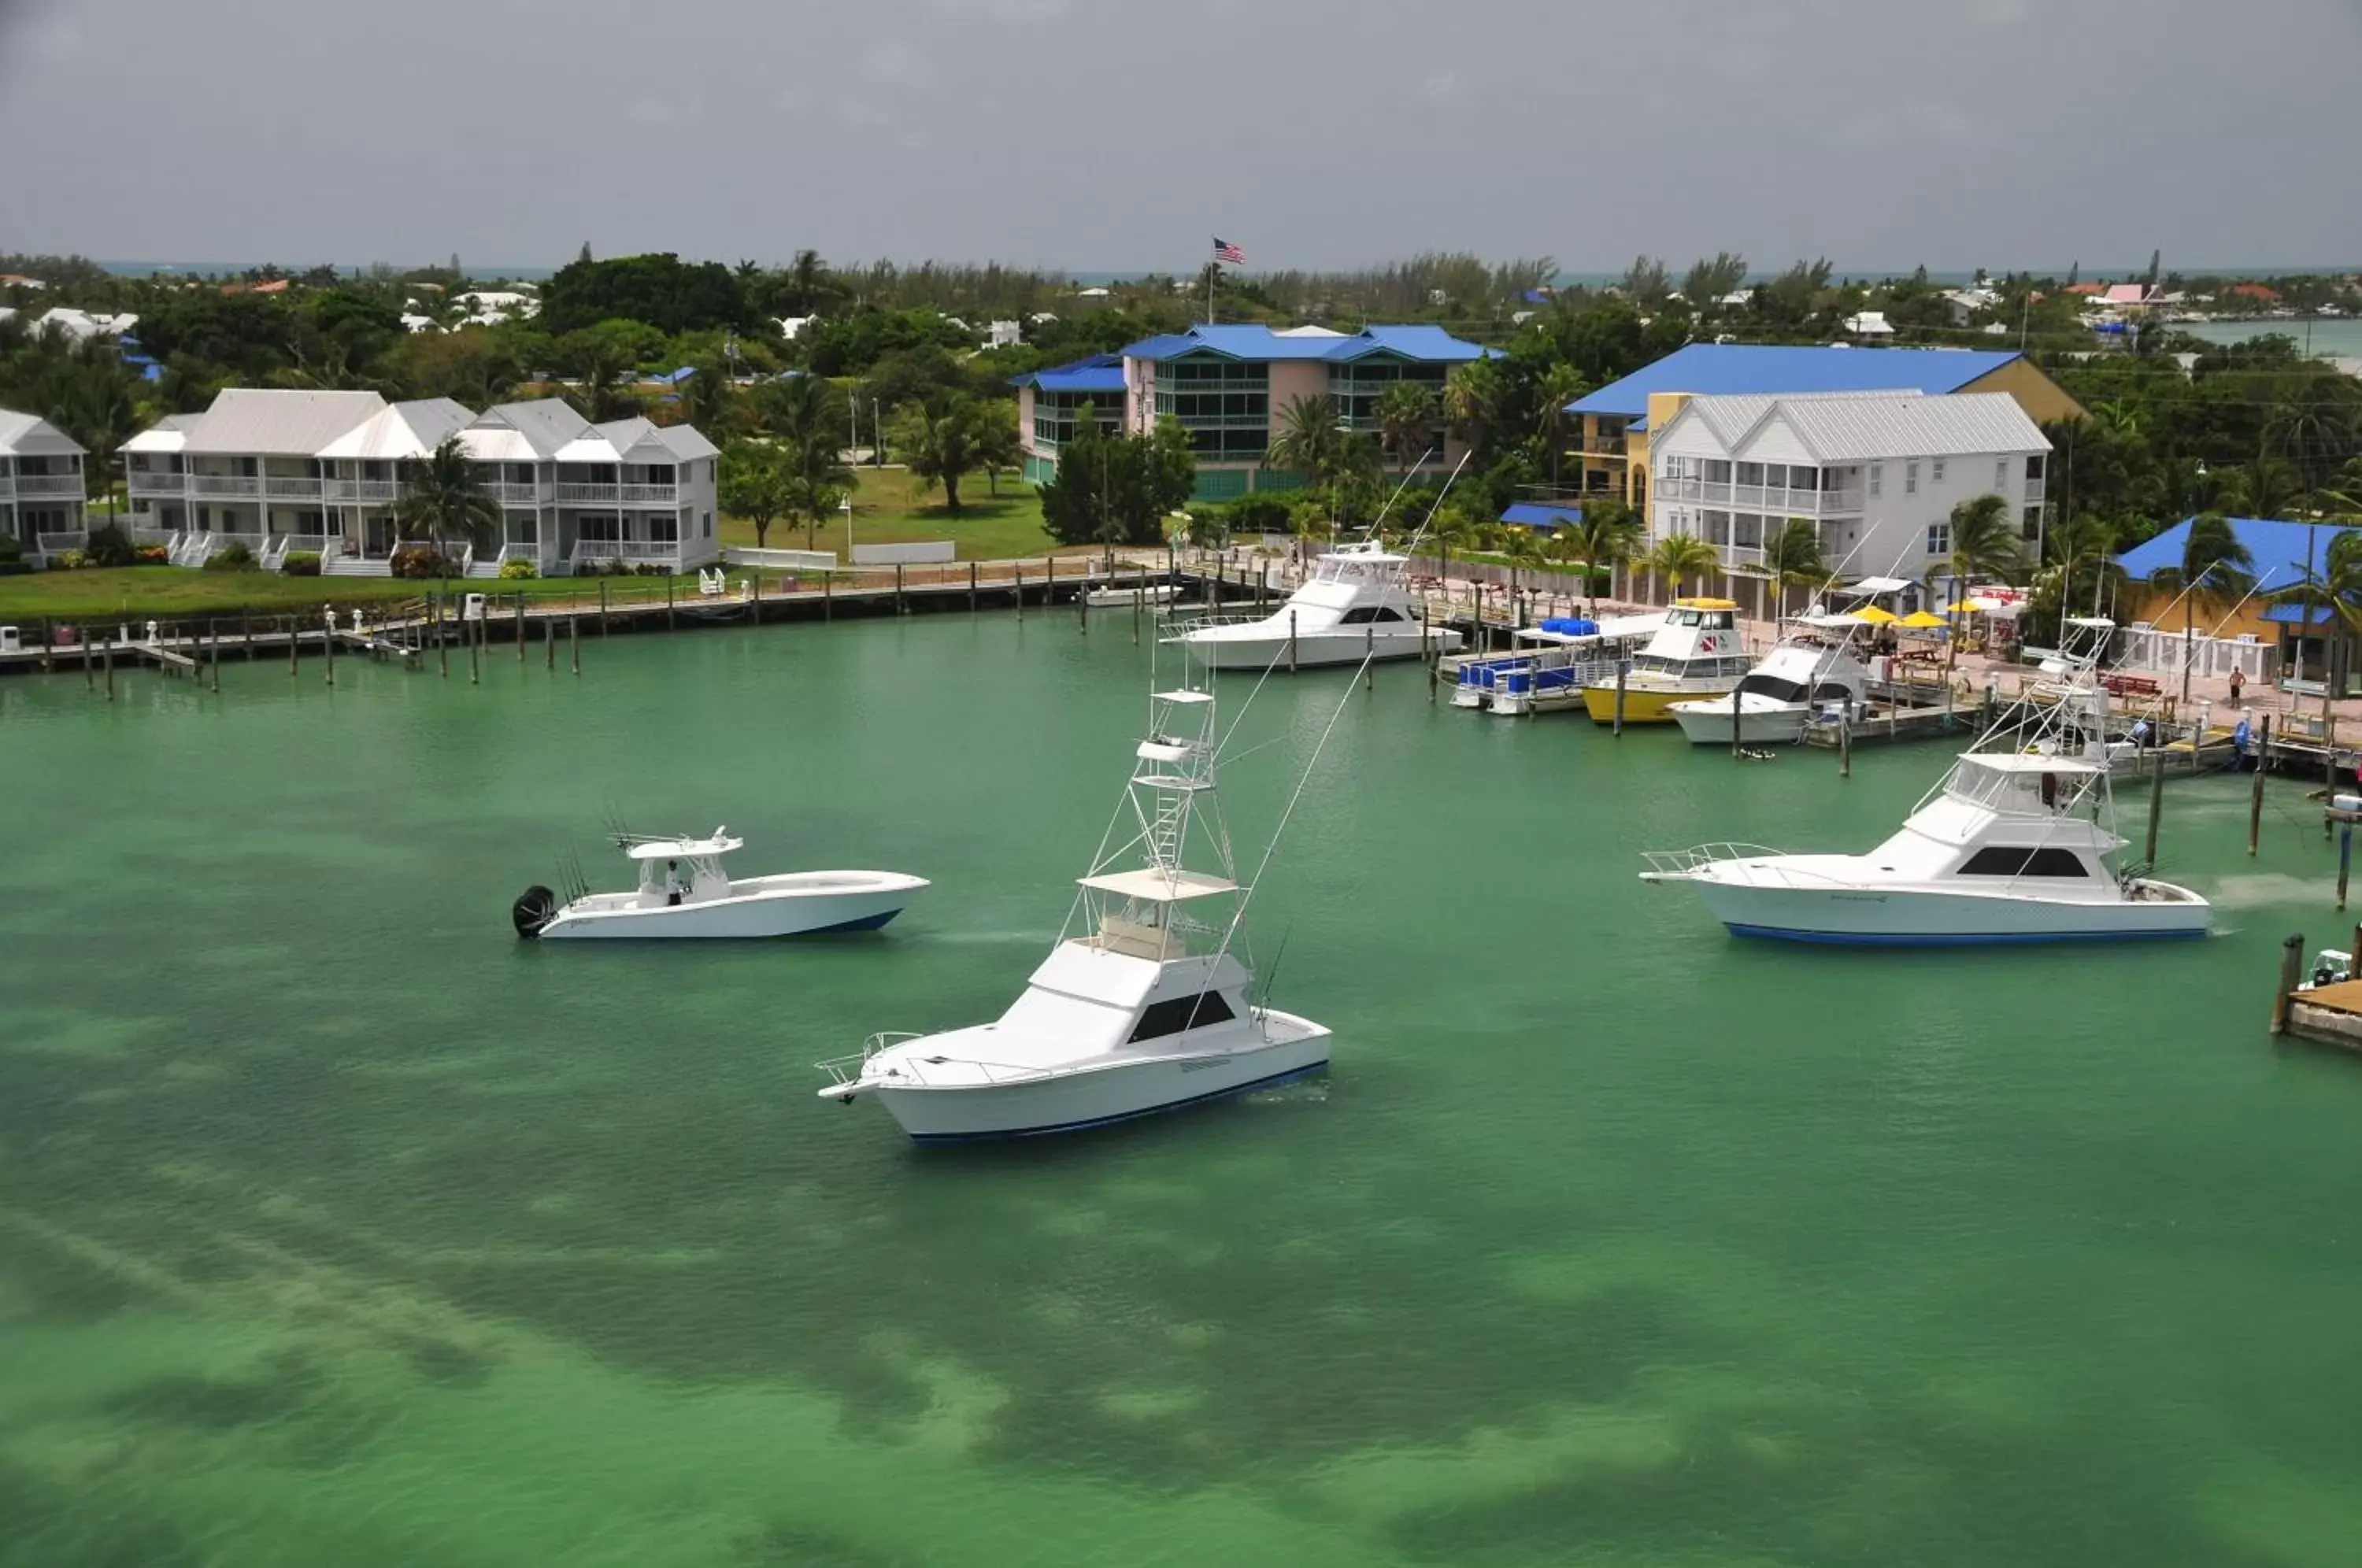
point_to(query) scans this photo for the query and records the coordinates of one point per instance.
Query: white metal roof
(30, 436)
(547, 424)
(402, 430)
(279, 422)
(1855, 427)
(1160, 886)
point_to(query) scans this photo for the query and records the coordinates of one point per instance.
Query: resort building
(1048, 401)
(40, 487)
(1878, 474)
(1616, 419)
(2283, 556)
(1229, 387)
(280, 471)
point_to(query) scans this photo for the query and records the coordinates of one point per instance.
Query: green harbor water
(337, 1226)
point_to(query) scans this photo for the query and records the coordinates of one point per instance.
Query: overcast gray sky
(1118, 134)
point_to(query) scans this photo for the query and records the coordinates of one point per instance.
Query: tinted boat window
(1160, 1019)
(1999, 861)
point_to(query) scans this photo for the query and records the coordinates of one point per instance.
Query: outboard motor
(534, 908)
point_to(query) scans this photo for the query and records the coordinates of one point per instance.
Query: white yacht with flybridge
(1353, 605)
(1814, 666)
(2012, 845)
(1147, 1003)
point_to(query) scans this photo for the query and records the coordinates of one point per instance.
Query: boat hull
(1101, 1097)
(1314, 650)
(767, 913)
(1906, 918)
(1708, 724)
(1643, 705)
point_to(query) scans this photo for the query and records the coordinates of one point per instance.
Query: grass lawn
(890, 507)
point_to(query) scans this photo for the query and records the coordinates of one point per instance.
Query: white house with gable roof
(282, 470)
(1876, 473)
(40, 487)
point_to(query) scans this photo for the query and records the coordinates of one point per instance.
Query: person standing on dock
(2238, 681)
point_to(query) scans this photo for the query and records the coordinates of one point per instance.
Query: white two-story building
(1877, 474)
(40, 487)
(284, 471)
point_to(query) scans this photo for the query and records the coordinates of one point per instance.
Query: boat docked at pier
(1354, 606)
(683, 891)
(1548, 665)
(1146, 1003)
(1697, 654)
(1814, 667)
(2013, 845)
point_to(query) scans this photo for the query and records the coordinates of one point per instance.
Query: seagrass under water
(337, 1226)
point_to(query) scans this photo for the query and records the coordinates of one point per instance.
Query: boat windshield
(1778, 688)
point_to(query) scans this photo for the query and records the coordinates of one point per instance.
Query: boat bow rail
(1688, 865)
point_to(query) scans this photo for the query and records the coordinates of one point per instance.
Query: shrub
(152, 554)
(232, 556)
(68, 561)
(517, 571)
(109, 546)
(10, 550)
(1258, 514)
(651, 568)
(420, 560)
(300, 563)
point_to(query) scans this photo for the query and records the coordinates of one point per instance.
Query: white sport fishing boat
(2011, 846)
(1812, 667)
(1152, 594)
(683, 891)
(1353, 606)
(1145, 1004)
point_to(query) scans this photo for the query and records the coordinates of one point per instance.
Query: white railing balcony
(651, 494)
(593, 492)
(511, 495)
(146, 482)
(48, 484)
(361, 490)
(1840, 501)
(225, 484)
(2033, 490)
(625, 550)
(291, 487)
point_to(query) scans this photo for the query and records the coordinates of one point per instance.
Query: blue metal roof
(2283, 553)
(1429, 343)
(1540, 518)
(1100, 373)
(1710, 368)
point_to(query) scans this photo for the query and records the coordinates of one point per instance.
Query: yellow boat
(1698, 653)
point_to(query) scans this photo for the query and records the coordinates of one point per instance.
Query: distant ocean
(2329, 337)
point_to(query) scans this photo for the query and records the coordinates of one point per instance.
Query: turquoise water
(337, 1226)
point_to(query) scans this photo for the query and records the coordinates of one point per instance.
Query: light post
(845, 506)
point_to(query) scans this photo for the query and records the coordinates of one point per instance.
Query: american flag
(1228, 254)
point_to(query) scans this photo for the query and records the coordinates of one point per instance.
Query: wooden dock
(2326, 1013)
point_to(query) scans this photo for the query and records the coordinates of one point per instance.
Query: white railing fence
(2148, 649)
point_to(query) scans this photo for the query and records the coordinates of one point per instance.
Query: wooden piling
(1369, 660)
(2256, 787)
(328, 648)
(574, 641)
(1139, 603)
(602, 607)
(107, 653)
(971, 588)
(1845, 744)
(216, 660)
(294, 639)
(520, 629)
(669, 611)
(2156, 806)
(2345, 859)
(1083, 605)
(89, 669)
(48, 642)
(898, 589)
(1623, 671)
(475, 649)
(1291, 642)
(828, 596)
(548, 643)
(755, 583)
(442, 641)
(2292, 974)
(1020, 571)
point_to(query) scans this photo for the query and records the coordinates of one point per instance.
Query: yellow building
(1616, 420)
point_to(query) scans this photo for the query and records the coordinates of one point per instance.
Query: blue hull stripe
(866, 922)
(1954, 939)
(1287, 1076)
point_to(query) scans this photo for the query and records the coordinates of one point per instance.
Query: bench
(2129, 685)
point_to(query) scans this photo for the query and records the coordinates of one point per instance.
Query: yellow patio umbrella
(1920, 620)
(1877, 617)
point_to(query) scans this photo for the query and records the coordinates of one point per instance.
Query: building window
(1877, 476)
(1717, 470)
(1751, 473)
(663, 530)
(1224, 404)
(1939, 538)
(709, 524)
(1936, 475)
(2034, 466)
(2033, 526)
(2001, 474)
(1910, 477)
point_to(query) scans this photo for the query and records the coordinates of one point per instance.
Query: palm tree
(2337, 589)
(443, 500)
(2264, 488)
(1307, 440)
(801, 413)
(1407, 412)
(1523, 546)
(1793, 559)
(2082, 559)
(2215, 572)
(1605, 534)
(1984, 544)
(1558, 385)
(709, 399)
(1473, 396)
(1682, 558)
